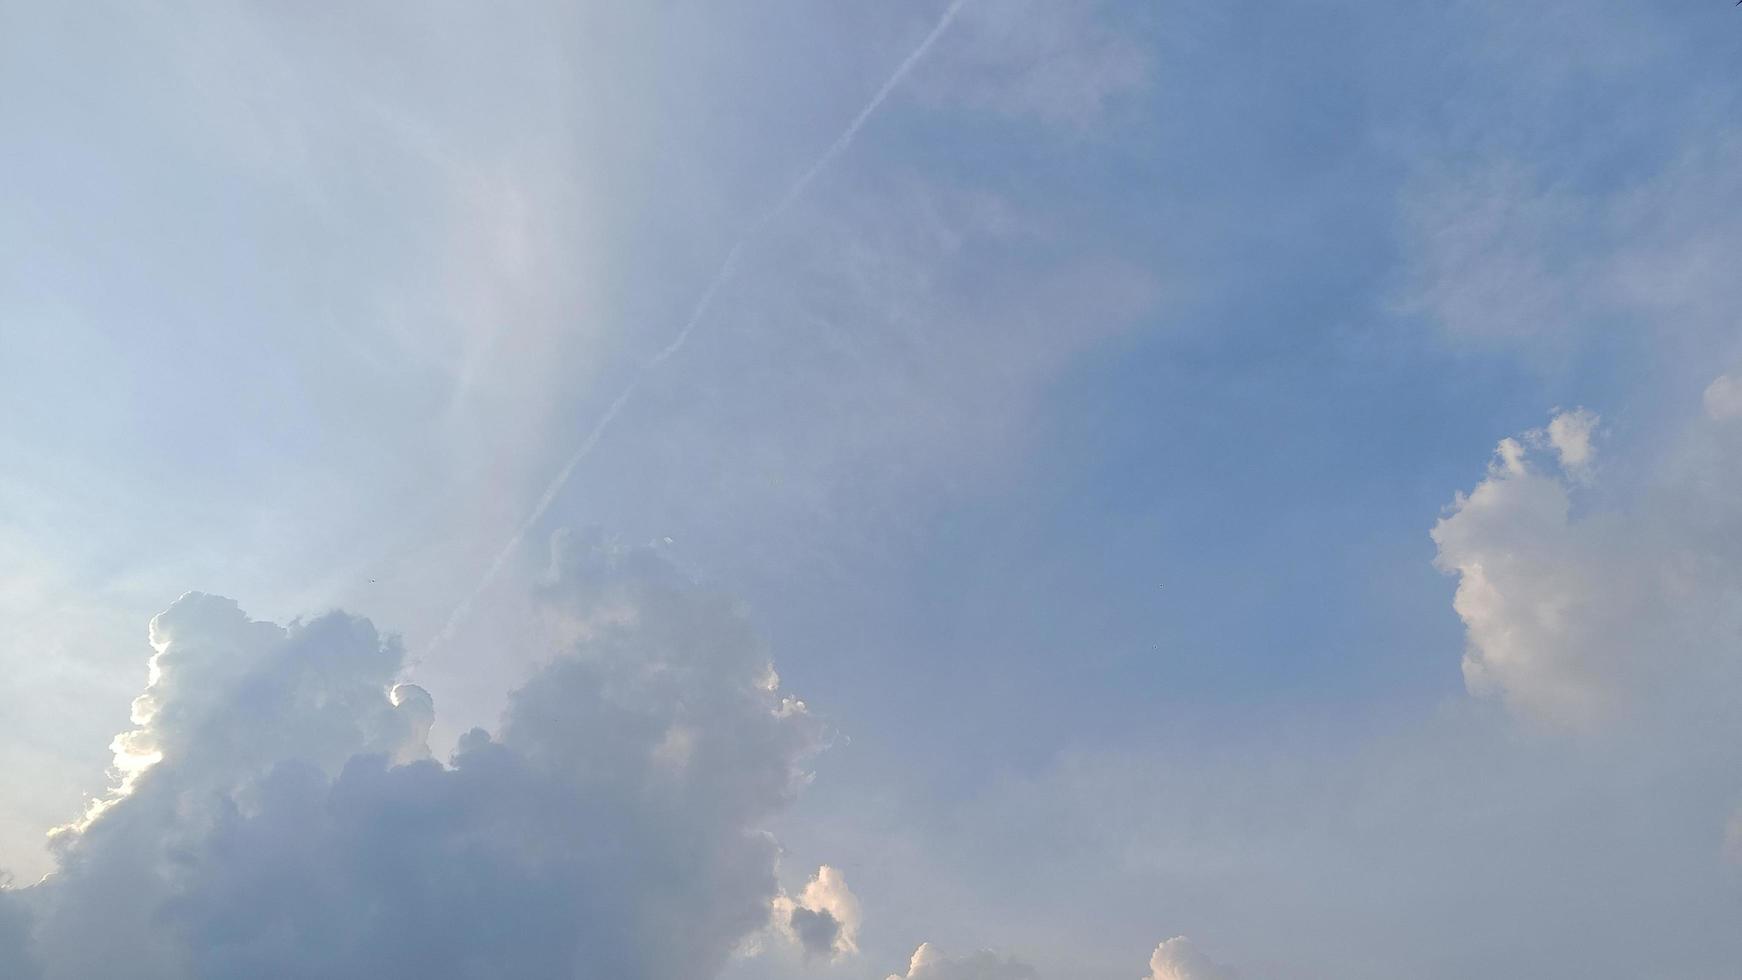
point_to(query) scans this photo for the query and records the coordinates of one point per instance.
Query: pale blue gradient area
(1230, 504)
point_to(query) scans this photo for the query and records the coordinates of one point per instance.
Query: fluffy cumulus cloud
(930, 963)
(823, 919)
(1175, 959)
(1583, 608)
(1723, 398)
(278, 814)
(1179, 959)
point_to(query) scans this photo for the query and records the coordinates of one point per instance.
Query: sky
(927, 490)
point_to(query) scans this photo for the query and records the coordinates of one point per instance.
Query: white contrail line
(728, 265)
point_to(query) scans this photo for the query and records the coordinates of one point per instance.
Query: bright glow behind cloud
(277, 829)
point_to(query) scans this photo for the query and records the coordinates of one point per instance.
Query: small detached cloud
(1546, 600)
(1175, 959)
(1179, 959)
(823, 920)
(930, 963)
(1723, 398)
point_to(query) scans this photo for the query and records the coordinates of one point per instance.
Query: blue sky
(1103, 446)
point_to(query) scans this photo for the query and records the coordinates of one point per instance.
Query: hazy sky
(791, 489)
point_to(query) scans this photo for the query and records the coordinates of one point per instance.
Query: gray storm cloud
(279, 816)
(1175, 959)
(822, 921)
(277, 811)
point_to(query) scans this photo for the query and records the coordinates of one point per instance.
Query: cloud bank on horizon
(277, 811)
(276, 805)
(1589, 617)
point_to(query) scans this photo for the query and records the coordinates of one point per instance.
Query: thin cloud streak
(728, 266)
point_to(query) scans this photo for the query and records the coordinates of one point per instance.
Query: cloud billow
(278, 812)
(279, 816)
(1175, 959)
(1594, 615)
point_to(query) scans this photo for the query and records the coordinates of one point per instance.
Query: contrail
(728, 265)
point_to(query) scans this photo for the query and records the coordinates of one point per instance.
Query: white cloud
(1723, 398)
(502, 266)
(1582, 618)
(823, 920)
(275, 831)
(1174, 959)
(930, 963)
(1179, 959)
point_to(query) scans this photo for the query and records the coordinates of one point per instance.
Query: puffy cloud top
(1581, 616)
(278, 814)
(930, 963)
(1179, 959)
(823, 920)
